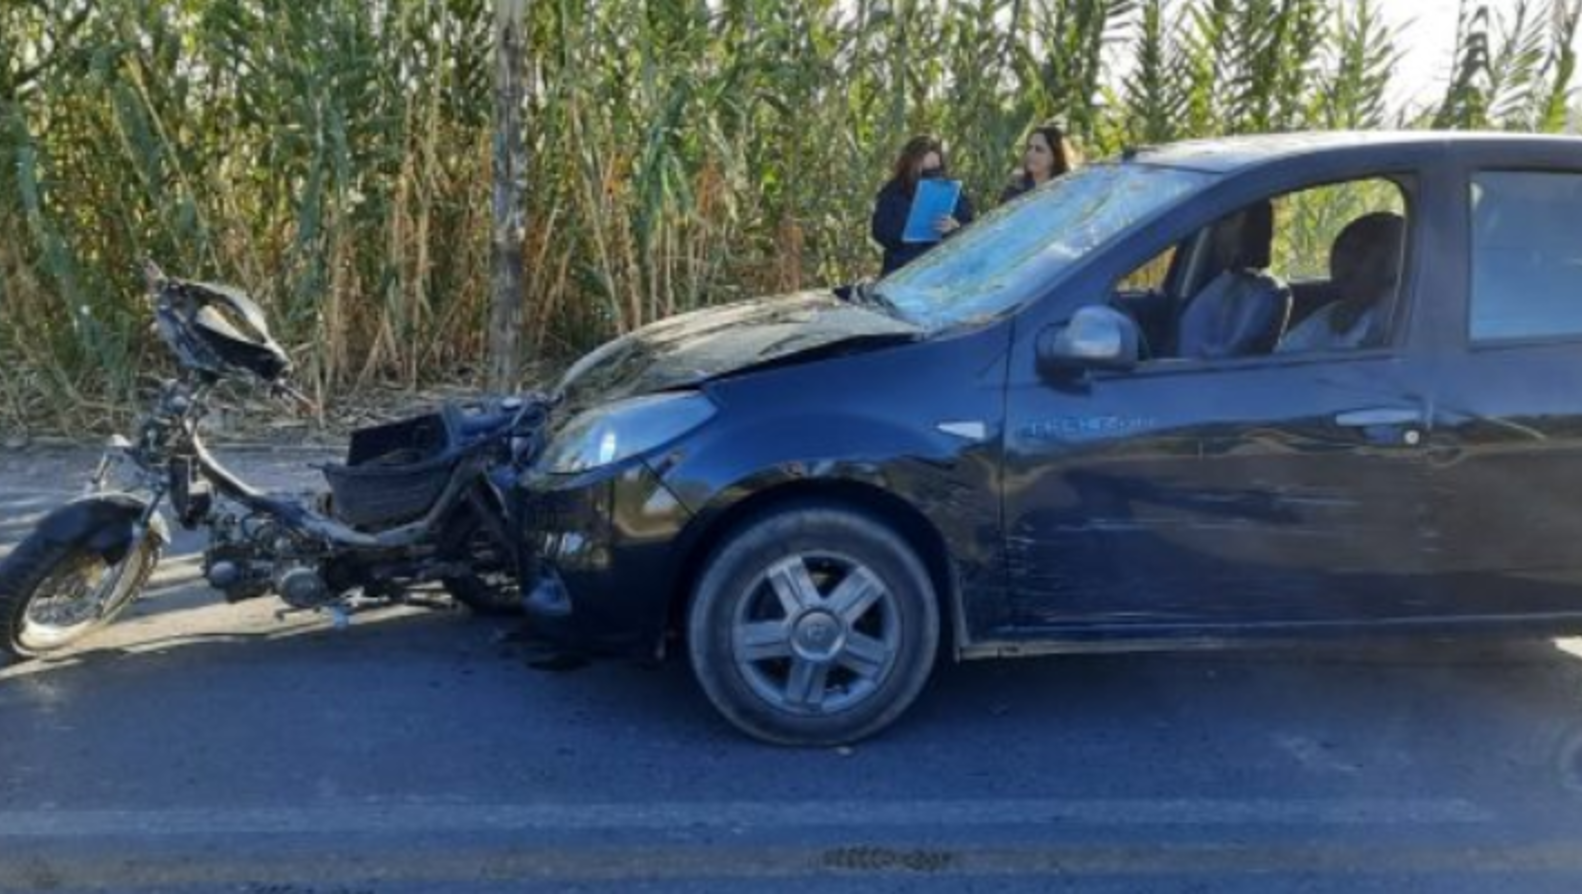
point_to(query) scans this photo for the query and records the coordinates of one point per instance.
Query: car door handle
(1386, 425)
(1379, 416)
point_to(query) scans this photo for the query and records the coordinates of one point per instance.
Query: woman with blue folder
(920, 186)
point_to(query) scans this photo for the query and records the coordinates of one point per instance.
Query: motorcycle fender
(104, 523)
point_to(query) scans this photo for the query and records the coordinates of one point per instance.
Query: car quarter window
(1526, 255)
(1308, 270)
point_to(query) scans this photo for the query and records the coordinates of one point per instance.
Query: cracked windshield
(1006, 257)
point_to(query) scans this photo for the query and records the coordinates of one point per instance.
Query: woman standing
(922, 158)
(1046, 155)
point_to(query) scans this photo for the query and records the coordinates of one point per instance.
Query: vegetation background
(333, 157)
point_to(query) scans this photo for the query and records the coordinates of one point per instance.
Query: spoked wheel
(814, 626)
(53, 594)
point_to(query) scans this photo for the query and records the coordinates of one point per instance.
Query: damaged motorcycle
(417, 502)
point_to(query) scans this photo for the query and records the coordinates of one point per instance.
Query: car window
(1307, 223)
(1008, 255)
(1526, 255)
(1260, 279)
(1151, 276)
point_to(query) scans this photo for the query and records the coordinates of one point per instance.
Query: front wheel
(815, 625)
(54, 593)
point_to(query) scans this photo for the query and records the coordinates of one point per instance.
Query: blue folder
(934, 199)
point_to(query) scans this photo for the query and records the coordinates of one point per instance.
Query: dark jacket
(1020, 184)
(890, 210)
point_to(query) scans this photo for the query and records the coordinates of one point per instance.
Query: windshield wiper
(868, 293)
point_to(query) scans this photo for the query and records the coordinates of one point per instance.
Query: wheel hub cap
(818, 636)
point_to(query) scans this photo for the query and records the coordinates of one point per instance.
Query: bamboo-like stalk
(510, 165)
(337, 158)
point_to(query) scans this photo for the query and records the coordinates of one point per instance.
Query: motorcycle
(418, 502)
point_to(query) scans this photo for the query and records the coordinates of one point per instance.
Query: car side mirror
(1095, 337)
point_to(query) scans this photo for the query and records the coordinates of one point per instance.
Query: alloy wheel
(818, 633)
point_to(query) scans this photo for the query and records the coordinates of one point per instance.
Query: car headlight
(625, 428)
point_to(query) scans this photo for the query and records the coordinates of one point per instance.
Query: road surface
(198, 746)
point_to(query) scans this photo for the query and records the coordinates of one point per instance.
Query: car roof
(1227, 154)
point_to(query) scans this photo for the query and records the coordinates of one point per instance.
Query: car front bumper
(599, 558)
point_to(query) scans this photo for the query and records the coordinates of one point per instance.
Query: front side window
(1316, 269)
(1526, 255)
(1151, 277)
(1007, 256)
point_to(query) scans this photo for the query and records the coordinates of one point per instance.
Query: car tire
(814, 625)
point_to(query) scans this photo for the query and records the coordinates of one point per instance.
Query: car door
(1507, 453)
(1195, 496)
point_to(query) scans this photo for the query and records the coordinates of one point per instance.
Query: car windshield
(1006, 256)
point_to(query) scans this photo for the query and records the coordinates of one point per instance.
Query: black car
(1206, 394)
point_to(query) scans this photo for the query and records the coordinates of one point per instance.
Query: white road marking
(432, 818)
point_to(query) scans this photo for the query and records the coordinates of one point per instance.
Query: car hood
(692, 348)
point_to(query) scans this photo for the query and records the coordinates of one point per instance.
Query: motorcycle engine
(250, 556)
(301, 586)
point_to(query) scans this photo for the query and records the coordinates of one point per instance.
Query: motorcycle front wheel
(52, 593)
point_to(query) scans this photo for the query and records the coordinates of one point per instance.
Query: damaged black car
(1253, 390)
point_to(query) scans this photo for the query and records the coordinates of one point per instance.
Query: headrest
(1243, 240)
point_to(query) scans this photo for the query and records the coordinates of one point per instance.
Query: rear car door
(1506, 461)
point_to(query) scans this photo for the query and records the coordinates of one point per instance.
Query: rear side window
(1526, 255)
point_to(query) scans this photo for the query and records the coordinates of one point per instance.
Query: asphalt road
(197, 746)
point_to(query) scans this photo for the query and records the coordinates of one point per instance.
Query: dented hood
(692, 348)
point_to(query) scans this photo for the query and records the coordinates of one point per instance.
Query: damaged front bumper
(598, 558)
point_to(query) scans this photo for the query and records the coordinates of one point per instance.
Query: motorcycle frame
(170, 443)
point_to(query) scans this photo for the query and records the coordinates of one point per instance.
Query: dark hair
(1365, 264)
(912, 155)
(1066, 157)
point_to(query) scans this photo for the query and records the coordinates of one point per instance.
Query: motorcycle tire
(41, 569)
(496, 595)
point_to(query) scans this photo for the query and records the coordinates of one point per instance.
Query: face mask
(932, 174)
